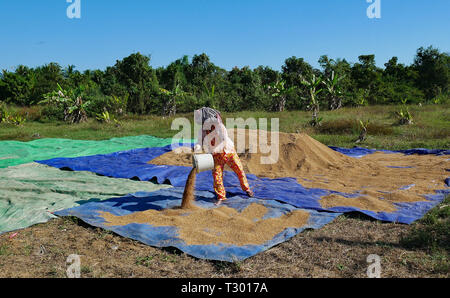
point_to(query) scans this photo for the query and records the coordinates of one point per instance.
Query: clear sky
(231, 32)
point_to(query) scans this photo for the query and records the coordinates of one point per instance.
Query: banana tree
(313, 87)
(70, 102)
(170, 107)
(279, 92)
(334, 92)
(363, 134)
(76, 111)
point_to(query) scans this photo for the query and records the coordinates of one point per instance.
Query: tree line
(132, 85)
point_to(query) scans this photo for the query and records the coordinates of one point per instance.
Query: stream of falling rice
(188, 194)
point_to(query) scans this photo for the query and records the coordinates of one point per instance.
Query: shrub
(404, 116)
(72, 105)
(99, 102)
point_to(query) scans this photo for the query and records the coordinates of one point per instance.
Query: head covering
(204, 114)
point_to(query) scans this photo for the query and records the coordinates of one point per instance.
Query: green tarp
(30, 192)
(14, 153)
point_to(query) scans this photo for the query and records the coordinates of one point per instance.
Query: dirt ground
(339, 249)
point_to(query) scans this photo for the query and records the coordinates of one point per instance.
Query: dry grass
(339, 249)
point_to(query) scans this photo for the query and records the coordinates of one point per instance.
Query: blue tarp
(360, 151)
(133, 164)
(168, 236)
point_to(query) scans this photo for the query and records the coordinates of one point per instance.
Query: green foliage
(433, 70)
(15, 87)
(363, 134)
(3, 110)
(334, 90)
(68, 104)
(441, 98)
(10, 118)
(100, 102)
(279, 93)
(403, 115)
(359, 98)
(133, 86)
(103, 117)
(171, 99)
(432, 232)
(312, 85)
(139, 79)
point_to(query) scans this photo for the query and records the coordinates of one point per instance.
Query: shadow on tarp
(134, 163)
(167, 236)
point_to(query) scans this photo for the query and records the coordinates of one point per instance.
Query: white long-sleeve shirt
(217, 141)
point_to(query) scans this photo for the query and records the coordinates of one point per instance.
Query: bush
(53, 112)
(100, 102)
(404, 116)
(70, 102)
(10, 118)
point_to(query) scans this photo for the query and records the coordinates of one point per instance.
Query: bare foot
(219, 202)
(250, 193)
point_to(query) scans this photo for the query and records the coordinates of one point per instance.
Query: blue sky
(231, 32)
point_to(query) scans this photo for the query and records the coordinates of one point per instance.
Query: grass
(4, 251)
(432, 232)
(144, 261)
(432, 235)
(340, 128)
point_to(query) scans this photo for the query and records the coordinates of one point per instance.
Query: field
(339, 249)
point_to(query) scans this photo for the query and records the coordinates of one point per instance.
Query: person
(213, 139)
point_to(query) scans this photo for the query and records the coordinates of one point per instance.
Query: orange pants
(233, 161)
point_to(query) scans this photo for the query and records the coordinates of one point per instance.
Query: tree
(69, 103)
(267, 75)
(174, 74)
(246, 89)
(170, 106)
(398, 83)
(294, 69)
(139, 79)
(279, 92)
(334, 91)
(47, 78)
(312, 85)
(433, 70)
(200, 70)
(15, 87)
(367, 76)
